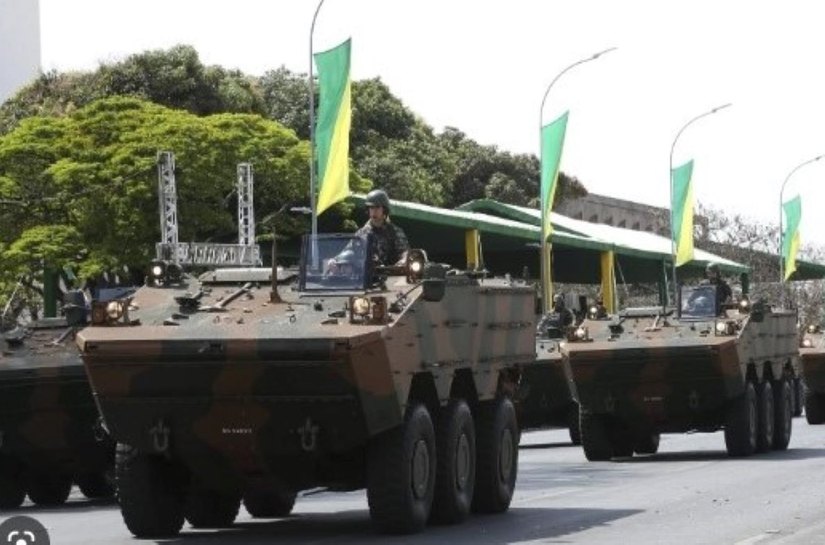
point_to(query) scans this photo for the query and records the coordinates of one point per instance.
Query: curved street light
(781, 234)
(544, 251)
(670, 177)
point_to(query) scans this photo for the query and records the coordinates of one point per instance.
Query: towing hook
(160, 436)
(309, 436)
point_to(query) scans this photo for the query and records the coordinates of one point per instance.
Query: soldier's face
(377, 215)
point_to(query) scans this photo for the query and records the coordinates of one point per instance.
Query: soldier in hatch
(723, 291)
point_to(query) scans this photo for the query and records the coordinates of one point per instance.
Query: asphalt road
(690, 492)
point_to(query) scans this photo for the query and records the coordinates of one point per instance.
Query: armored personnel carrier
(50, 435)
(546, 392)
(648, 372)
(812, 352)
(398, 380)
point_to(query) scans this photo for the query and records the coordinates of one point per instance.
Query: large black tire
(814, 407)
(647, 444)
(270, 504)
(741, 424)
(766, 416)
(595, 437)
(622, 440)
(95, 485)
(48, 489)
(150, 492)
(401, 466)
(573, 424)
(211, 509)
(783, 414)
(798, 396)
(12, 489)
(456, 464)
(497, 438)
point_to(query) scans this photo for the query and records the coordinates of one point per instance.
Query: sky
(484, 65)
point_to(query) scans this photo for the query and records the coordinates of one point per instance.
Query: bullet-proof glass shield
(699, 302)
(335, 262)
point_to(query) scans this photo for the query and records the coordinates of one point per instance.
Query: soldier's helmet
(378, 197)
(702, 305)
(558, 301)
(346, 263)
(712, 270)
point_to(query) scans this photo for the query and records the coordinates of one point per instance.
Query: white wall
(19, 44)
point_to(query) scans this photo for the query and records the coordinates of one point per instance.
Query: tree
(92, 175)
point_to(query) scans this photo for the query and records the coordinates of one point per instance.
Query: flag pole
(781, 234)
(312, 166)
(672, 223)
(545, 248)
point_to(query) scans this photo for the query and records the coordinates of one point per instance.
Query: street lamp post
(545, 251)
(670, 177)
(781, 235)
(312, 175)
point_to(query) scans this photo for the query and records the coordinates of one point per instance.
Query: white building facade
(19, 44)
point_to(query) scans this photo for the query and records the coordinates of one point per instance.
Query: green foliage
(88, 180)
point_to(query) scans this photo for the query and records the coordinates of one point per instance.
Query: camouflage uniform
(390, 241)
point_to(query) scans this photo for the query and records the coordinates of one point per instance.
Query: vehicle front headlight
(581, 333)
(157, 271)
(807, 343)
(114, 310)
(360, 306)
(811, 328)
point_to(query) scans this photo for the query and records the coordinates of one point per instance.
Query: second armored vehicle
(812, 352)
(398, 380)
(49, 431)
(648, 372)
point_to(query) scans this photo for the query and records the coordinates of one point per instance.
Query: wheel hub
(505, 458)
(462, 462)
(420, 469)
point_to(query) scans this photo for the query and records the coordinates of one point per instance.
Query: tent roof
(625, 241)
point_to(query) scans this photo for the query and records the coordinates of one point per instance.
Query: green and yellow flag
(552, 142)
(681, 212)
(790, 238)
(332, 130)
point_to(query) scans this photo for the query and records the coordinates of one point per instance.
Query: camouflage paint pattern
(260, 392)
(48, 418)
(547, 392)
(812, 352)
(665, 375)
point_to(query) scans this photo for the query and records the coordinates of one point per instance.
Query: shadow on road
(354, 526)
(71, 506)
(547, 445)
(722, 456)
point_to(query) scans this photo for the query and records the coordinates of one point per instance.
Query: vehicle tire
(741, 423)
(622, 440)
(210, 508)
(49, 489)
(783, 414)
(95, 485)
(497, 438)
(766, 416)
(573, 424)
(814, 407)
(799, 396)
(12, 489)
(150, 492)
(595, 439)
(647, 444)
(270, 504)
(456, 464)
(401, 467)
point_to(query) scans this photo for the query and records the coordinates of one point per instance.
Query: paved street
(690, 492)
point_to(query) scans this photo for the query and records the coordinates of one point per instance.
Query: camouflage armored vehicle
(648, 372)
(50, 435)
(394, 379)
(812, 352)
(546, 393)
